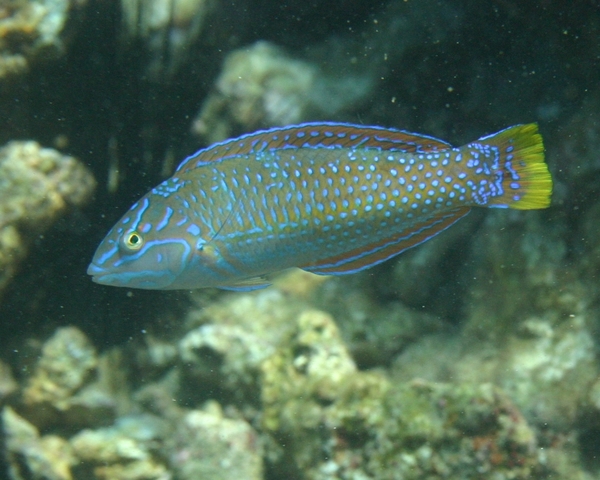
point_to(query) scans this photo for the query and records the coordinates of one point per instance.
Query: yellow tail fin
(526, 182)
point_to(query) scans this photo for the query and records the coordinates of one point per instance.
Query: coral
(264, 314)
(455, 431)
(60, 390)
(121, 452)
(234, 338)
(223, 357)
(30, 455)
(259, 86)
(65, 364)
(535, 316)
(32, 30)
(37, 185)
(308, 370)
(207, 445)
(265, 377)
(341, 423)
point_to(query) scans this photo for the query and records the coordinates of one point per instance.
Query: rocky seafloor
(473, 356)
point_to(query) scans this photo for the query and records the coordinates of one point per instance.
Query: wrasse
(329, 198)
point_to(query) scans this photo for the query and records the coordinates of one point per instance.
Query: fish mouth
(96, 272)
(145, 279)
(104, 276)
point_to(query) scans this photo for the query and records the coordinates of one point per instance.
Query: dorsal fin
(375, 253)
(316, 135)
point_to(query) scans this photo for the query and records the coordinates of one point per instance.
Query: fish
(328, 198)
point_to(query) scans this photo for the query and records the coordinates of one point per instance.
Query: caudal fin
(526, 181)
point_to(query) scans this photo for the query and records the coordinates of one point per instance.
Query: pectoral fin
(247, 285)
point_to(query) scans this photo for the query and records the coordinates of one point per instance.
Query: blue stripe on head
(108, 254)
(142, 208)
(165, 220)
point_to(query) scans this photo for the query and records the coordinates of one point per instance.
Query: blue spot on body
(194, 230)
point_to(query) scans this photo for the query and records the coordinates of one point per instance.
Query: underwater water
(473, 355)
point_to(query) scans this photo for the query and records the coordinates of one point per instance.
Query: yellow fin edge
(527, 181)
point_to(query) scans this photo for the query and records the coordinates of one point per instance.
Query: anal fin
(378, 252)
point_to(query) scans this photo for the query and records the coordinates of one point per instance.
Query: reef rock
(124, 451)
(37, 185)
(205, 444)
(60, 391)
(32, 30)
(30, 455)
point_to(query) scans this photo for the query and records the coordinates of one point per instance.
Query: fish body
(328, 198)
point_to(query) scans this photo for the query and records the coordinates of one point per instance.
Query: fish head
(149, 248)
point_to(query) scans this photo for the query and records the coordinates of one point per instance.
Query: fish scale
(328, 198)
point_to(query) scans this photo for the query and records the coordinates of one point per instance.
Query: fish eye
(132, 241)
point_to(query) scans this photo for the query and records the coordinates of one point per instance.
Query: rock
(8, 385)
(338, 422)
(30, 455)
(236, 334)
(301, 381)
(60, 391)
(37, 186)
(33, 30)
(207, 445)
(455, 431)
(67, 360)
(223, 358)
(259, 86)
(124, 451)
